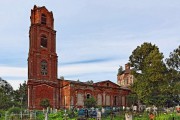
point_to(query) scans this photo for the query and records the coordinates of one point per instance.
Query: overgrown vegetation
(90, 102)
(44, 103)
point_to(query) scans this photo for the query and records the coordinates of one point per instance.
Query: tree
(120, 70)
(150, 73)
(139, 55)
(173, 63)
(90, 102)
(6, 95)
(62, 77)
(90, 82)
(10, 97)
(45, 103)
(20, 95)
(5, 100)
(132, 99)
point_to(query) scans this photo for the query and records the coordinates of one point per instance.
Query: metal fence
(22, 116)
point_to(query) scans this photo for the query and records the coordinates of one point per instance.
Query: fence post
(46, 116)
(35, 115)
(21, 115)
(31, 114)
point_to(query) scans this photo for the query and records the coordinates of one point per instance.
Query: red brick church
(43, 82)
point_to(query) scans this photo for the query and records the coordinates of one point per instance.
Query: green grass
(167, 116)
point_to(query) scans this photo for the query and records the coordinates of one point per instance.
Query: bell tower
(42, 59)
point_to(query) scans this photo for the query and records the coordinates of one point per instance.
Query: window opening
(88, 96)
(115, 100)
(43, 19)
(43, 41)
(44, 67)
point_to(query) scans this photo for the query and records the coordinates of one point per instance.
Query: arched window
(43, 41)
(43, 19)
(115, 100)
(44, 67)
(88, 96)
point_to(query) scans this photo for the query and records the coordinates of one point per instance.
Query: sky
(94, 37)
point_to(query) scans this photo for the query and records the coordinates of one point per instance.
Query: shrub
(54, 116)
(15, 110)
(40, 117)
(45, 103)
(2, 114)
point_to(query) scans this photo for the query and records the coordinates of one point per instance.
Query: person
(151, 116)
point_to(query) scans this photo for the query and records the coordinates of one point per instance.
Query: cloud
(13, 75)
(100, 60)
(93, 37)
(13, 71)
(15, 83)
(92, 70)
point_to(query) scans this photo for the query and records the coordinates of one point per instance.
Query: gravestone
(46, 116)
(98, 115)
(128, 116)
(135, 108)
(103, 110)
(86, 113)
(31, 114)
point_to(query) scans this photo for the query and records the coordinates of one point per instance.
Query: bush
(45, 103)
(15, 110)
(54, 116)
(40, 117)
(168, 116)
(14, 113)
(2, 114)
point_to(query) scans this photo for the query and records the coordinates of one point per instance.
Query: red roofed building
(43, 82)
(107, 93)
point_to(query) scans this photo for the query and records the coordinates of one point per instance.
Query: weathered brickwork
(42, 72)
(42, 59)
(125, 79)
(107, 93)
